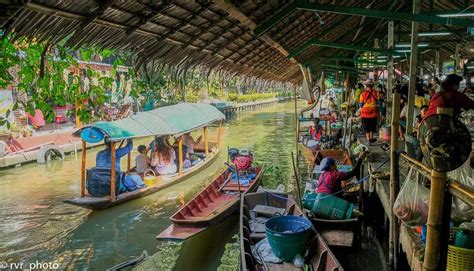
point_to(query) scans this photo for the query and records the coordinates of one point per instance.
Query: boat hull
(322, 259)
(211, 206)
(100, 203)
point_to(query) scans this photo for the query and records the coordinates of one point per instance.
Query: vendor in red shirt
(450, 97)
(330, 180)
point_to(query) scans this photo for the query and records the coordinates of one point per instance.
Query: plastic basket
(332, 207)
(460, 259)
(287, 235)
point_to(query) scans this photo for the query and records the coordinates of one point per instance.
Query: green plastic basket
(332, 207)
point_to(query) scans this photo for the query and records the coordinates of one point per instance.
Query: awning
(169, 120)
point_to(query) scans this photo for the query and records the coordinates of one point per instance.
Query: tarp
(168, 120)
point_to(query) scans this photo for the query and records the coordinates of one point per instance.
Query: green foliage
(244, 98)
(46, 74)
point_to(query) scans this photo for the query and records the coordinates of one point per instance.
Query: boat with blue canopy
(175, 121)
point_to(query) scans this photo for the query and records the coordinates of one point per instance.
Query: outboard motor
(242, 160)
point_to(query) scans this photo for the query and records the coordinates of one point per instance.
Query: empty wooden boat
(255, 210)
(210, 206)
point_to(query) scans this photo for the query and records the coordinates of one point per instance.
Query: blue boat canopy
(168, 120)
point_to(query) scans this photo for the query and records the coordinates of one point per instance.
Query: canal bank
(37, 226)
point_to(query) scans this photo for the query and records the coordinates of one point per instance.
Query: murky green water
(37, 227)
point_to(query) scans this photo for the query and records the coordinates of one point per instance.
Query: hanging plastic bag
(411, 205)
(464, 175)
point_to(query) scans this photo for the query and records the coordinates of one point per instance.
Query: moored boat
(255, 210)
(165, 121)
(213, 204)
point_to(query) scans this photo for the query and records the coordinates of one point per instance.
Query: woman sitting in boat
(330, 180)
(163, 157)
(190, 143)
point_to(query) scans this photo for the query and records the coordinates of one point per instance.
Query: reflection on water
(35, 225)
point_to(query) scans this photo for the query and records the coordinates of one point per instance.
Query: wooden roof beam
(102, 6)
(227, 6)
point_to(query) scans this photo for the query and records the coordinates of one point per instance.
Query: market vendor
(330, 180)
(450, 97)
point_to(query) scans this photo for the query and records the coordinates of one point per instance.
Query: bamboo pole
(394, 181)
(455, 188)
(297, 130)
(435, 215)
(112, 172)
(219, 134)
(413, 64)
(180, 155)
(206, 143)
(83, 169)
(77, 106)
(390, 44)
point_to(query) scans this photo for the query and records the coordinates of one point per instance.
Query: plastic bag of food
(411, 205)
(464, 175)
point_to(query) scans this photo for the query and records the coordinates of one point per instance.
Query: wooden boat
(210, 206)
(166, 121)
(336, 232)
(267, 204)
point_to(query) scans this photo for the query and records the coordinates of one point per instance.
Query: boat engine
(242, 158)
(445, 142)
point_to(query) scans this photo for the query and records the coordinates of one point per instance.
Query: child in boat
(141, 160)
(163, 157)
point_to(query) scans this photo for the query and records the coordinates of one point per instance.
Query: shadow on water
(35, 225)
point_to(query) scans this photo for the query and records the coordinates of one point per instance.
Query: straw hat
(369, 82)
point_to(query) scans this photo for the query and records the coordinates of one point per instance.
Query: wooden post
(219, 134)
(394, 185)
(180, 155)
(390, 45)
(112, 172)
(413, 64)
(83, 170)
(206, 145)
(435, 215)
(437, 64)
(297, 131)
(129, 161)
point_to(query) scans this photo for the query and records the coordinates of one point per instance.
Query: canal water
(36, 227)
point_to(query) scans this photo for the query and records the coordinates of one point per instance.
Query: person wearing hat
(450, 97)
(369, 111)
(329, 181)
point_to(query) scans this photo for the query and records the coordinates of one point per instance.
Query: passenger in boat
(142, 162)
(190, 144)
(103, 158)
(315, 131)
(369, 112)
(163, 157)
(330, 180)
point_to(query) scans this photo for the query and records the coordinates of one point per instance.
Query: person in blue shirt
(104, 157)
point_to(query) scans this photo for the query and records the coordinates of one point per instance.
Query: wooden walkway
(410, 242)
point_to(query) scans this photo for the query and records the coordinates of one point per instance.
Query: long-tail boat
(174, 120)
(336, 232)
(213, 204)
(255, 209)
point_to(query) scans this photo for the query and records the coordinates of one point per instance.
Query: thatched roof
(217, 34)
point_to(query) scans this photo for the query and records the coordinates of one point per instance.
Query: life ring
(45, 152)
